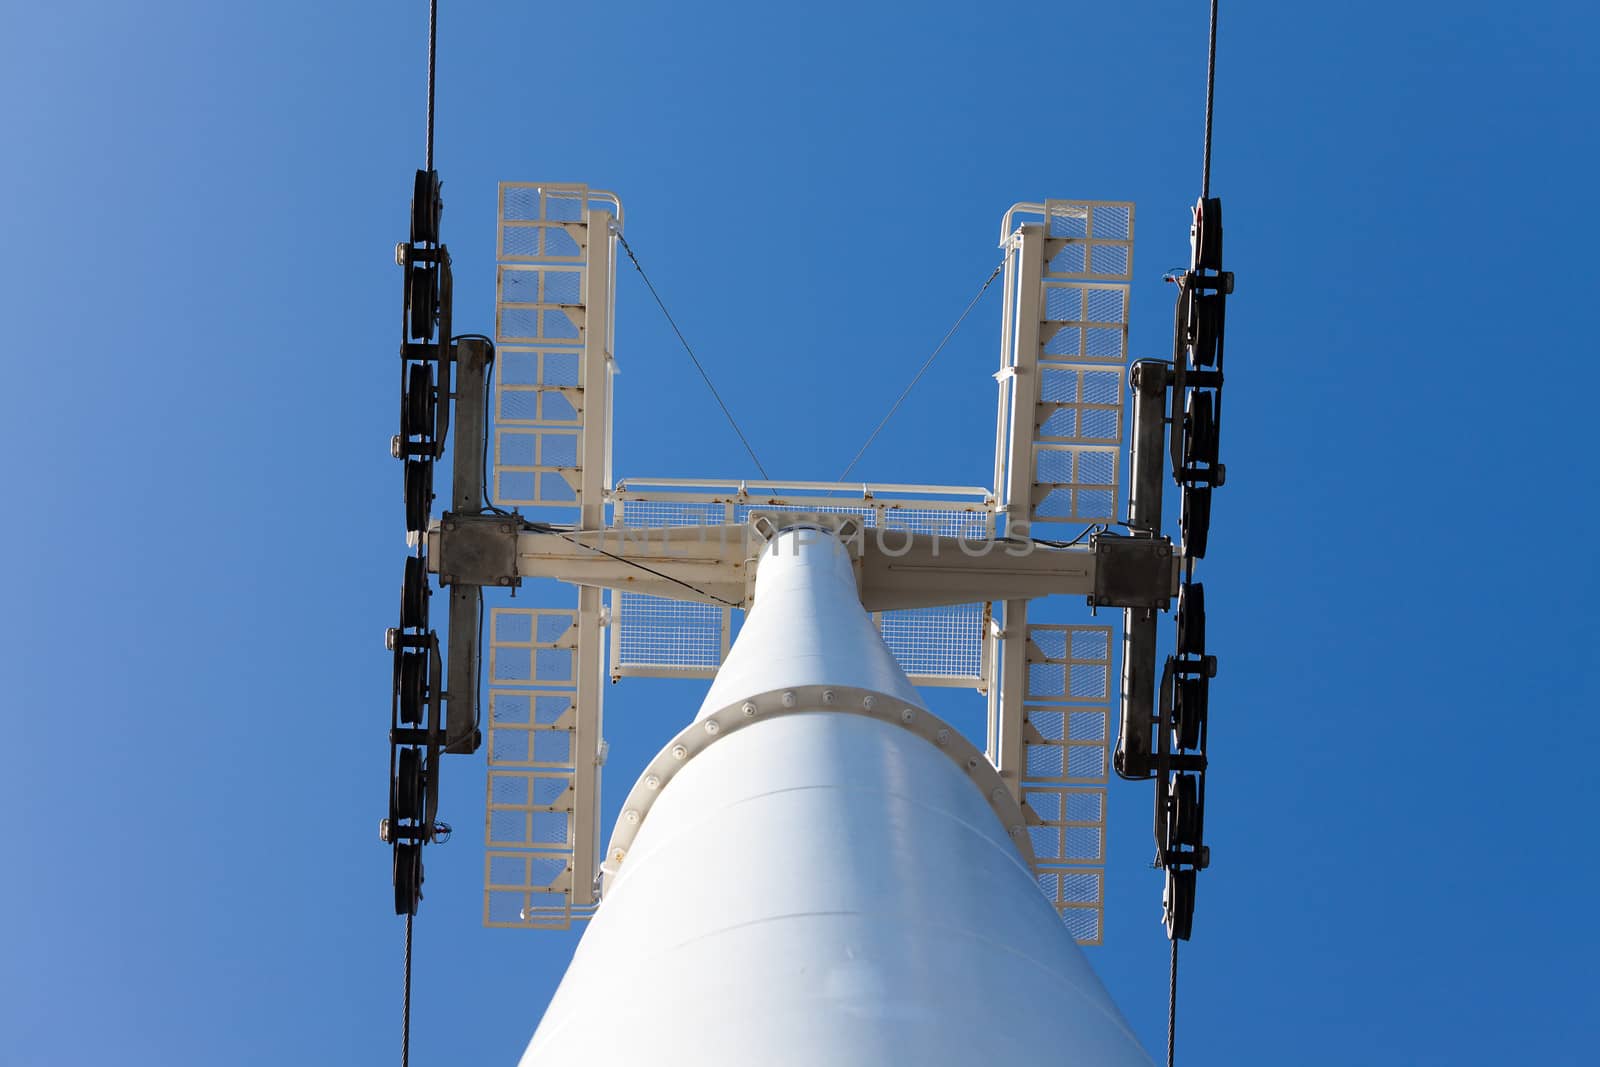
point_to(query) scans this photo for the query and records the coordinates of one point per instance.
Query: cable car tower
(814, 860)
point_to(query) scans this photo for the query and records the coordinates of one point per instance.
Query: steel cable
(626, 247)
(1211, 85)
(433, 42)
(1172, 1001)
(922, 370)
(405, 1024)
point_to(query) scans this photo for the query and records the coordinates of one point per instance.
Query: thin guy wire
(922, 370)
(1172, 1002)
(692, 358)
(1211, 85)
(405, 1025)
(640, 566)
(433, 42)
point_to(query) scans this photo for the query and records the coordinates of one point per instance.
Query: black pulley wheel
(417, 417)
(1200, 429)
(408, 786)
(419, 493)
(422, 299)
(1208, 239)
(1180, 904)
(1210, 315)
(407, 877)
(414, 595)
(413, 686)
(426, 207)
(1192, 619)
(1195, 522)
(1189, 698)
(1184, 825)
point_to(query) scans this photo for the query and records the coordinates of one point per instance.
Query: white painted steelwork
(653, 636)
(821, 881)
(554, 364)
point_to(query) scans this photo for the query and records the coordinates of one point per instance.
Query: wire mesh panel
(532, 713)
(1073, 380)
(527, 889)
(1089, 239)
(542, 297)
(1079, 895)
(658, 636)
(1066, 753)
(1059, 442)
(938, 646)
(655, 636)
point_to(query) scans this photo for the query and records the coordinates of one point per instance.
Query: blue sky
(202, 203)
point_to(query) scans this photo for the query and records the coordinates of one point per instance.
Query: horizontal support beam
(895, 569)
(900, 570)
(706, 564)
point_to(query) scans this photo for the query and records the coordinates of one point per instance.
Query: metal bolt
(908, 715)
(972, 763)
(997, 794)
(788, 699)
(504, 580)
(827, 696)
(942, 737)
(449, 526)
(630, 816)
(391, 637)
(869, 701)
(679, 752)
(652, 782)
(1014, 831)
(383, 830)
(712, 726)
(397, 446)
(749, 710)
(617, 854)
(399, 253)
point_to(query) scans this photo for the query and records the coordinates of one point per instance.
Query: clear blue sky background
(203, 545)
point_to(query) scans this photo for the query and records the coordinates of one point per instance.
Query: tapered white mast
(817, 871)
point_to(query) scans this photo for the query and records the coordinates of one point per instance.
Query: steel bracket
(478, 550)
(1133, 572)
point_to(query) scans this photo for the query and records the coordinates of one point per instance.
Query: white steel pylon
(818, 871)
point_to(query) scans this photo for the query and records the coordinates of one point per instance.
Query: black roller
(1184, 823)
(419, 493)
(1210, 318)
(1200, 429)
(422, 299)
(416, 418)
(1208, 236)
(1192, 620)
(407, 877)
(1180, 904)
(1195, 522)
(426, 207)
(408, 789)
(1190, 695)
(414, 595)
(413, 686)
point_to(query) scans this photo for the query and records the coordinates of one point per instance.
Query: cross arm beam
(896, 569)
